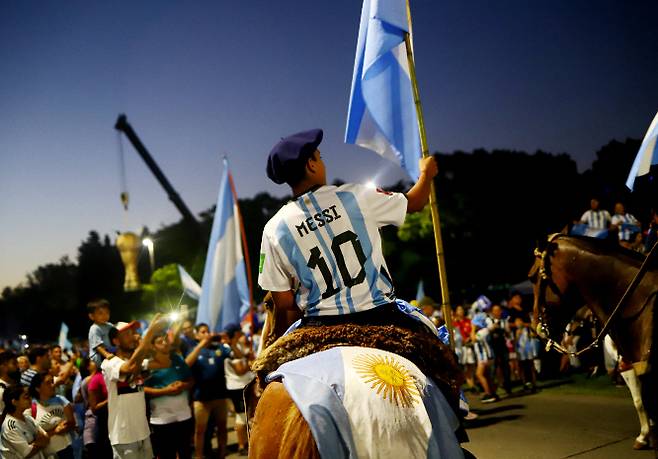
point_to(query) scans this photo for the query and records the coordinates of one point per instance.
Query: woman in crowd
(95, 435)
(467, 357)
(167, 388)
(21, 437)
(485, 356)
(527, 353)
(54, 414)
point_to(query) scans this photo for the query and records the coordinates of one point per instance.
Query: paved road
(550, 424)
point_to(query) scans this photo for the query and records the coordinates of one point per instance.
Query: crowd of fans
(163, 393)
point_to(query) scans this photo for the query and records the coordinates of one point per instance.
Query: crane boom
(123, 126)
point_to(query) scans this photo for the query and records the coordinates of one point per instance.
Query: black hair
(93, 305)
(7, 356)
(35, 352)
(10, 394)
(113, 333)
(36, 381)
(202, 324)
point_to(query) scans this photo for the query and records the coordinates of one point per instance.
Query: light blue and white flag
(365, 402)
(63, 339)
(190, 287)
(647, 156)
(382, 114)
(420, 292)
(224, 288)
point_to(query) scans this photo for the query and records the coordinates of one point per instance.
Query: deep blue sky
(202, 79)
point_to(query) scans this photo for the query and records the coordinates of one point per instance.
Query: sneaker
(471, 416)
(489, 398)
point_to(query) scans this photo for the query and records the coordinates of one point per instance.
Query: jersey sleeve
(584, 217)
(95, 336)
(112, 369)
(272, 272)
(13, 437)
(385, 207)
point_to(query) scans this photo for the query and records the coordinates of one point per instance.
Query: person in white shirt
(9, 373)
(626, 224)
(321, 254)
(127, 423)
(597, 220)
(54, 414)
(20, 435)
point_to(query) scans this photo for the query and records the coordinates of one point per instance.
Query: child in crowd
(527, 352)
(99, 333)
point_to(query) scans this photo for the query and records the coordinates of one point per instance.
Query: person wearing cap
(127, 422)
(321, 254)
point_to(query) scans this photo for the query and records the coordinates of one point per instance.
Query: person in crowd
(100, 344)
(351, 215)
(626, 225)
(210, 395)
(127, 422)
(527, 353)
(39, 357)
(54, 414)
(9, 374)
(652, 232)
(167, 388)
(597, 220)
(20, 436)
(484, 355)
(499, 333)
(467, 359)
(95, 435)
(23, 363)
(187, 337)
(515, 307)
(238, 376)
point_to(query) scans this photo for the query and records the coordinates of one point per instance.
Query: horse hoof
(640, 445)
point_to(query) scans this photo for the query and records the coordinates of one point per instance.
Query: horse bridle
(545, 280)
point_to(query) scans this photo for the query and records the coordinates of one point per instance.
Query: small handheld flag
(190, 287)
(225, 294)
(647, 156)
(382, 113)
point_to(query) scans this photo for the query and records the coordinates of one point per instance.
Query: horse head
(552, 308)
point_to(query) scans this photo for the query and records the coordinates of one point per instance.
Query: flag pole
(438, 241)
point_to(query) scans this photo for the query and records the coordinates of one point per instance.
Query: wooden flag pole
(438, 241)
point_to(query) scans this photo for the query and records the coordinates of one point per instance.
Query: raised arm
(419, 194)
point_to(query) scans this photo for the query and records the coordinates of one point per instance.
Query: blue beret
(287, 158)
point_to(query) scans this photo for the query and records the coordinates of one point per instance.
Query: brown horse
(572, 271)
(279, 429)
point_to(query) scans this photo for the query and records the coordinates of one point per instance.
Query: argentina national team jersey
(325, 245)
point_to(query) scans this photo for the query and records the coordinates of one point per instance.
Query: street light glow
(148, 242)
(371, 184)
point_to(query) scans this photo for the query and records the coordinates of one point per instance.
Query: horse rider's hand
(428, 167)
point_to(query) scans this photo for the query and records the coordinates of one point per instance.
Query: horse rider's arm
(286, 311)
(419, 194)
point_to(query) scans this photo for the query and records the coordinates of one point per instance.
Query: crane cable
(122, 174)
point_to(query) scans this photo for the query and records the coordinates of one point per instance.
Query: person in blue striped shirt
(597, 220)
(627, 226)
(321, 255)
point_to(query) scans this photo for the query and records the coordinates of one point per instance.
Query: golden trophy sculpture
(129, 246)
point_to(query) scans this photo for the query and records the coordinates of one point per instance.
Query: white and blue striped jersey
(596, 219)
(627, 225)
(325, 246)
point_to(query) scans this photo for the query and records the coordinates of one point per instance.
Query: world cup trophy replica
(129, 246)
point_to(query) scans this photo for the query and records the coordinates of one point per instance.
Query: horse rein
(544, 280)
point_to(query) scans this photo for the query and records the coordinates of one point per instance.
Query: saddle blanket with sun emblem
(368, 403)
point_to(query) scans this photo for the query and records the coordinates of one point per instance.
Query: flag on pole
(224, 289)
(63, 340)
(190, 287)
(382, 114)
(647, 156)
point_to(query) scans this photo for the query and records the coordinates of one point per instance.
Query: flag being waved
(190, 287)
(225, 294)
(647, 156)
(382, 114)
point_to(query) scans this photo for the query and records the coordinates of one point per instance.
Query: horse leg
(279, 428)
(635, 387)
(649, 397)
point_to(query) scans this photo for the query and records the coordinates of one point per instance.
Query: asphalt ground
(572, 418)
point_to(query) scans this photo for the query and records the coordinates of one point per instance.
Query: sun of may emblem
(391, 380)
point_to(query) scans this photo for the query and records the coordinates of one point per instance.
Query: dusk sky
(201, 79)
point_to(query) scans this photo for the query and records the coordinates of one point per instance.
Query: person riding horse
(321, 255)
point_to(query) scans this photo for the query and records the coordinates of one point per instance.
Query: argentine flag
(382, 114)
(224, 288)
(647, 156)
(190, 287)
(63, 339)
(367, 403)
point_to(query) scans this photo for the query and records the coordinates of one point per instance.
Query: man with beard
(127, 422)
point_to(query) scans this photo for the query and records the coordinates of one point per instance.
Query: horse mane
(605, 247)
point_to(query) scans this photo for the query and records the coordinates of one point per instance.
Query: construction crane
(123, 126)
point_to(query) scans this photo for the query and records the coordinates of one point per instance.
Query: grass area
(579, 384)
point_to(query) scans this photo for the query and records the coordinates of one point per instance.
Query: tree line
(495, 206)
